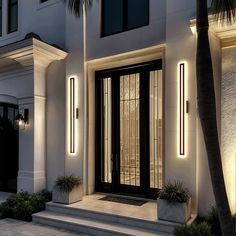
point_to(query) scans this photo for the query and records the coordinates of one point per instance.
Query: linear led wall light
(183, 108)
(72, 115)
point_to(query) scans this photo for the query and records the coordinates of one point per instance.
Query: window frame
(124, 17)
(9, 6)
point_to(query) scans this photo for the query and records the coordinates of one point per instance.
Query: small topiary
(202, 229)
(174, 192)
(67, 183)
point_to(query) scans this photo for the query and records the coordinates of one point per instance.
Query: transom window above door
(123, 15)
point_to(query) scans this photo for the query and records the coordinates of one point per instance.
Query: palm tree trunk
(207, 114)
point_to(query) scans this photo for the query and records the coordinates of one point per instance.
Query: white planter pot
(175, 212)
(67, 197)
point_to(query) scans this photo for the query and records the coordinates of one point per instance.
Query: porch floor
(147, 211)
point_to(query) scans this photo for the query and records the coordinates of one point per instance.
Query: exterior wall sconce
(22, 118)
(73, 115)
(182, 109)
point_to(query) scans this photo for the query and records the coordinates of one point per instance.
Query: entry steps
(99, 223)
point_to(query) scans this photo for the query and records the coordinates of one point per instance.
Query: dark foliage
(67, 183)
(202, 229)
(22, 205)
(174, 192)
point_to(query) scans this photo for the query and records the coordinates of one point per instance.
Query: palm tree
(223, 9)
(77, 6)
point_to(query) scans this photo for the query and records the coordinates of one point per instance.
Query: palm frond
(224, 10)
(76, 6)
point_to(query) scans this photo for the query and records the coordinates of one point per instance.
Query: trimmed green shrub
(67, 183)
(174, 192)
(22, 205)
(202, 229)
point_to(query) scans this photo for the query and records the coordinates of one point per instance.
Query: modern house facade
(111, 97)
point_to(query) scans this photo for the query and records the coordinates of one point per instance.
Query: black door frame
(115, 187)
(15, 165)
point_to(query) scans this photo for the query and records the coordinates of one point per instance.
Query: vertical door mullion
(99, 139)
(144, 131)
(115, 131)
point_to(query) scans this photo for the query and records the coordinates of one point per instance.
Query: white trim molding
(28, 52)
(8, 99)
(114, 61)
(225, 32)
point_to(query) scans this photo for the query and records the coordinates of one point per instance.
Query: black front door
(122, 140)
(8, 147)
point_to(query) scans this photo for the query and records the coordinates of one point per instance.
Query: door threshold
(124, 195)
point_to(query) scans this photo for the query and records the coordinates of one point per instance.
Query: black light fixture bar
(72, 115)
(182, 108)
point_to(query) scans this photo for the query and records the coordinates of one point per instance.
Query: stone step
(90, 226)
(156, 226)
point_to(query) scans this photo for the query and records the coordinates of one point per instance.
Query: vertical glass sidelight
(107, 131)
(156, 155)
(12, 16)
(129, 130)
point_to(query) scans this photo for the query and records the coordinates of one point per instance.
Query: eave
(28, 52)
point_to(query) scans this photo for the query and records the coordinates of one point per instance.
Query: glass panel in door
(155, 121)
(129, 130)
(107, 131)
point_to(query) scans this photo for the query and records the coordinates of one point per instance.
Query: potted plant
(67, 190)
(174, 203)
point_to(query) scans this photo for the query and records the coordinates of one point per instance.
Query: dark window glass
(41, 1)
(137, 13)
(0, 17)
(112, 16)
(122, 15)
(12, 15)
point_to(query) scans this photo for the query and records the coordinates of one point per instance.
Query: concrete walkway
(10, 227)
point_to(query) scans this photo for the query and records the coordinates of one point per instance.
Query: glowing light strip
(182, 109)
(72, 115)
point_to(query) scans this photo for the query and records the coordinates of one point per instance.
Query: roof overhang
(225, 32)
(28, 52)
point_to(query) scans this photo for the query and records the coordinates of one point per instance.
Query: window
(42, 1)
(123, 15)
(12, 15)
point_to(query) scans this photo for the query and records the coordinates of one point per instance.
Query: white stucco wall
(180, 47)
(75, 68)
(45, 19)
(150, 35)
(55, 121)
(88, 52)
(228, 124)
